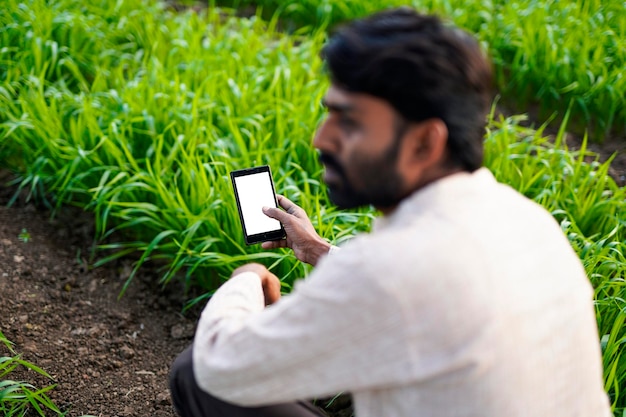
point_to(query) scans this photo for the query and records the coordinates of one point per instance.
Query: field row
(555, 55)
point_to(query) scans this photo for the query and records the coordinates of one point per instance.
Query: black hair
(423, 68)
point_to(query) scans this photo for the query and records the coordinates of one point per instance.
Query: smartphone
(254, 189)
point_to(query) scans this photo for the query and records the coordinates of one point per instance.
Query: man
(466, 300)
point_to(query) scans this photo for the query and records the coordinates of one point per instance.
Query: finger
(274, 244)
(250, 267)
(289, 206)
(271, 289)
(268, 245)
(278, 214)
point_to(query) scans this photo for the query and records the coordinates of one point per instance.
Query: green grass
(17, 398)
(557, 55)
(148, 145)
(137, 114)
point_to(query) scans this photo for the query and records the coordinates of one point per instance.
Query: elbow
(214, 381)
(221, 381)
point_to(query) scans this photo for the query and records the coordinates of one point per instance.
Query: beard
(382, 186)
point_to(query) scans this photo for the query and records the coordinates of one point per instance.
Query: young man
(466, 300)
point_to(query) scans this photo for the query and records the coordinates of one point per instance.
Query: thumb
(275, 213)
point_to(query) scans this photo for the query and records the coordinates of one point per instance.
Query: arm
(302, 238)
(317, 341)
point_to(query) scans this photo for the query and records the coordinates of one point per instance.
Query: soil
(611, 146)
(108, 356)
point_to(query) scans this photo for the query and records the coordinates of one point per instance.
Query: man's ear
(424, 150)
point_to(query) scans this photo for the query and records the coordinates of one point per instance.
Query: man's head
(407, 106)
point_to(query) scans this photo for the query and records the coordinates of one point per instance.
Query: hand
(302, 238)
(269, 281)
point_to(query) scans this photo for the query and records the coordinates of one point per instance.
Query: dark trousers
(190, 401)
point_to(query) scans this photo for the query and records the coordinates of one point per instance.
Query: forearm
(317, 251)
(237, 299)
(296, 348)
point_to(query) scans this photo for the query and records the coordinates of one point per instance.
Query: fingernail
(265, 208)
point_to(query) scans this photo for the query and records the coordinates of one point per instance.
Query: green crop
(550, 54)
(137, 114)
(148, 145)
(17, 397)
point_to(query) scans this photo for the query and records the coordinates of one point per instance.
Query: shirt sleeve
(338, 330)
(235, 300)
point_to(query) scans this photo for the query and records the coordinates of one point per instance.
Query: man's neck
(387, 211)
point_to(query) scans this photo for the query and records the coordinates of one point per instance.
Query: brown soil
(614, 145)
(108, 356)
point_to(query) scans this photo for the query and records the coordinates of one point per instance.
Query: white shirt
(467, 301)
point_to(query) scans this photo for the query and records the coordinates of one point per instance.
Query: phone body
(254, 189)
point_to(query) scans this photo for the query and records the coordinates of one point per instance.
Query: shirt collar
(443, 190)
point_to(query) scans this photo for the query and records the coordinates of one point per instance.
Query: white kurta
(467, 301)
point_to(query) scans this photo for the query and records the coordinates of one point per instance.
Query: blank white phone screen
(255, 191)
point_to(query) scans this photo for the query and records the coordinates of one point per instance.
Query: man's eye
(348, 123)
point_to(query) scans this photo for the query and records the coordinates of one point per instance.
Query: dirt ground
(108, 356)
(612, 145)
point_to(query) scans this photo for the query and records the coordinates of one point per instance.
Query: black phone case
(260, 237)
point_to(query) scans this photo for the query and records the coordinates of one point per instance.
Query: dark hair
(423, 68)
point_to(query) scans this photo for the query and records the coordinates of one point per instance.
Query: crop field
(137, 113)
(555, 55)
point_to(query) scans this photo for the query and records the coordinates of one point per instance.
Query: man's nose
(326, 139)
